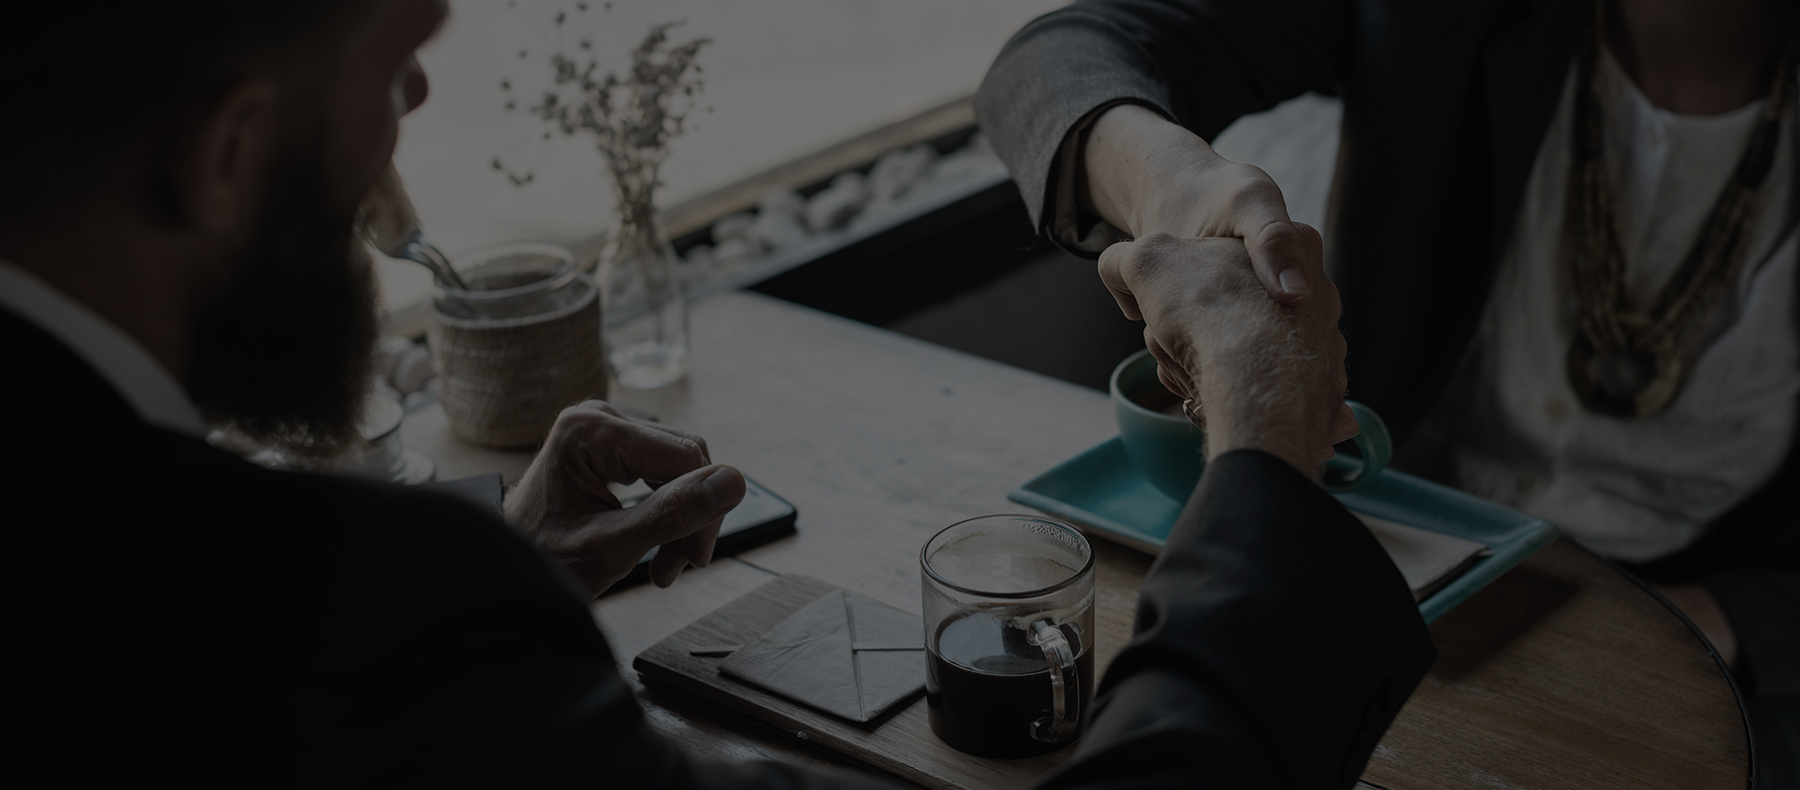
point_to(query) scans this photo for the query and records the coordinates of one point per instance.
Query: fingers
(705, 452)
(1279, 251)
(1279, 258)
(666, 566)
(596, 437)
(1173, 383)
(683, 517)
(1112, 262)
(695, 549)
(1312, 247)
(698, 547)
(1171, 373)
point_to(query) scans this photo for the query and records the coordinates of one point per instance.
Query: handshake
(1267, 376)
(1237, 309)
(1263, 374)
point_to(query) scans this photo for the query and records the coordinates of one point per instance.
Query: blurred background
(784, 78)
(796, 92)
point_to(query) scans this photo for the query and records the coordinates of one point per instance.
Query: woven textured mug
(518, 346)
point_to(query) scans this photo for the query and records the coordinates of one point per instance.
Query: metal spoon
(393, 228)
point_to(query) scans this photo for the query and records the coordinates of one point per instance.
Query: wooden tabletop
(1562, 673)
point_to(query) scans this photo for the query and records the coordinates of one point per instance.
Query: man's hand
(1267, 375)
(1147, 175)
(564, 504)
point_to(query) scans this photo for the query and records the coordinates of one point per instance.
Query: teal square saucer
(1101, 491)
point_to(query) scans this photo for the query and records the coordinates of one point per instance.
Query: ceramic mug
(1170, 452)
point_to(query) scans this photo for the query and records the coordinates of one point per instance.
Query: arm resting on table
(1275, 643)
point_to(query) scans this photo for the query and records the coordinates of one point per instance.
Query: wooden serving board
(901, 744)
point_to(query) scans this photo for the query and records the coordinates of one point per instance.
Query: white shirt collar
(156, 396)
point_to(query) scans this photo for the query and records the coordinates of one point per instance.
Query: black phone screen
(761, 517)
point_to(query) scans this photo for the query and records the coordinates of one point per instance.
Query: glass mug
(1009, 630)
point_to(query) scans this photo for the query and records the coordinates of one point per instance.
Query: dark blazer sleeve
(1763, 605)
(1275, 643)
(1764, 608)
(1202, 63)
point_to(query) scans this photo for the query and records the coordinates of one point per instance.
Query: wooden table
(1564, 673)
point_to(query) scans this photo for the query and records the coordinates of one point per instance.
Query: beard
(284, 354)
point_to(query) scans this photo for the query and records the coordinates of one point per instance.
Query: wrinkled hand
(1147, 175)
(563, 503)
(1267, 375)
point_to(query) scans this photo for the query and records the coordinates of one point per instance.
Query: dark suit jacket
(1445, 107)
(179, 612)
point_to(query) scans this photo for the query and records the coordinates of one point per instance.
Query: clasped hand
(563, 501)
(1267, 375)
(1236, 305)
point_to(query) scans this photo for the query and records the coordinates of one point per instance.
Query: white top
(155, 394)
(1511, 428)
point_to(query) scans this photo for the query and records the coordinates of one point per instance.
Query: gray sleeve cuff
(1053, 75)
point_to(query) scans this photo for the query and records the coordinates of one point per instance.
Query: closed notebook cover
(846, 654)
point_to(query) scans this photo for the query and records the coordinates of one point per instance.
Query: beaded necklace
(1631, 364)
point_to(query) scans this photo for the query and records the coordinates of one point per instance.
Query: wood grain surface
(1562, 674)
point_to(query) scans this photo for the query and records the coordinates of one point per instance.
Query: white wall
(783, 78)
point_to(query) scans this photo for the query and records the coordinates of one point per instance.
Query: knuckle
(584, 414)
(1278, 233)
(1250, 187)
(696, 456)
(671, 513)
(688, 445)
(603, 407)
(1148, 252)
(1109, 257)
(1309, 234)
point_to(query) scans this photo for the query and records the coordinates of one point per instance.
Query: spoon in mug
(392, 227)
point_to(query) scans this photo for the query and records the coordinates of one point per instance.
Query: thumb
(1278, 248)
(1111, 264)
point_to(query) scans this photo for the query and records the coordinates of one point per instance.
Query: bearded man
(1566, 236)
(179, 184)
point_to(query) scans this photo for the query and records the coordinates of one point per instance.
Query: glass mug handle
(1065, 685)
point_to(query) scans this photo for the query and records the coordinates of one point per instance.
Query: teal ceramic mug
(1170, 452)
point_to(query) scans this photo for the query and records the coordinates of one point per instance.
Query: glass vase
(645, 308)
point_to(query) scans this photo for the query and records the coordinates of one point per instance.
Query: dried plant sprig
(632, 118)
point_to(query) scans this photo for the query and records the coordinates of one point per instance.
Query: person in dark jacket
(1566, 236)
(177, 219)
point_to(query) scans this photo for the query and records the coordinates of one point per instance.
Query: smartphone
(760, 518)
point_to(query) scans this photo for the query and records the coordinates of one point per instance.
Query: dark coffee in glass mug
(1009, 624)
